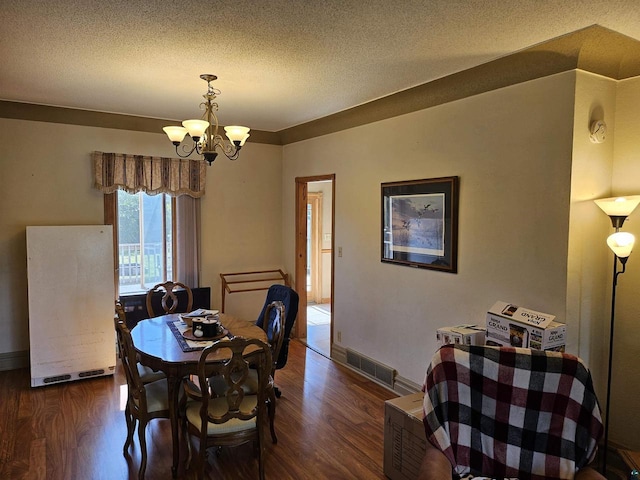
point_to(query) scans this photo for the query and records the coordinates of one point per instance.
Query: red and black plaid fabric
(506, 412)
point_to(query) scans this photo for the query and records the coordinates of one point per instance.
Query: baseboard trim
(14, 360)
(339, 353)
(402, 386)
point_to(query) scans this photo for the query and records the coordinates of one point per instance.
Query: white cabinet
(71, 302)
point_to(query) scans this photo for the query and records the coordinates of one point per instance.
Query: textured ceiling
(279, 63)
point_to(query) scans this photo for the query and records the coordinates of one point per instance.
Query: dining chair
(145, 401)
(506, 412)
(169, 298)
(147, 375)
(290, 299)
(236, 417)
(273, 326)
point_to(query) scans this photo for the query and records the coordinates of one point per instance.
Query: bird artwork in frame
(419, 223)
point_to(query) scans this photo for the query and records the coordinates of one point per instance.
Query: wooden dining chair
(169, 298)
(147, 375)
(236, 417)
(290, 299)
(273, 326)
(145, 401)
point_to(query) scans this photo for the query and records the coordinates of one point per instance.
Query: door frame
(315, 200)
(300, 273)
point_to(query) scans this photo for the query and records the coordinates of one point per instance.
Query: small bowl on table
(188, 320)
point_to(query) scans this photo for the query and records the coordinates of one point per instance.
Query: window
(156, 238)
(145, 240)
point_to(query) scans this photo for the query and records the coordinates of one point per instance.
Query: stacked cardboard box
(461, 334)
(404, 437)
(510, 325)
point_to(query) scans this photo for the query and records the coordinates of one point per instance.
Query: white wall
(511, 149)
(47, 180)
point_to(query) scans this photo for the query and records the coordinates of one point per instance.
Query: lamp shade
(237, 133)
(618, 206)
(196, 128)
(621, 243)
(175, 134)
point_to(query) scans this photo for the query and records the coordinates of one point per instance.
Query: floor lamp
(621, 243)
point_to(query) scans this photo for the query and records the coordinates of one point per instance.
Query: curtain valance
(152, 175)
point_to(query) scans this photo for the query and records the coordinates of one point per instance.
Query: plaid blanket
(511, 412)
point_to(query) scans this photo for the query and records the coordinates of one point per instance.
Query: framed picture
(420, 223)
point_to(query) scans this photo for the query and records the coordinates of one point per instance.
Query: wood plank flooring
(329, 422)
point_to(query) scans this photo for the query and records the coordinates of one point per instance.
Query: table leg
(173, 387)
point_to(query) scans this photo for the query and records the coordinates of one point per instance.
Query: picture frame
(420, 223)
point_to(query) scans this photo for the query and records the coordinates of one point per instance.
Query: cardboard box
(404, 438)
(510, 325)
(461, 334)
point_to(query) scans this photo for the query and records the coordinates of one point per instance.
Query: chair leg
(202, 456)
(142, 427)
(131, 426)
(260, 454)
(187, 439)
(278, 393)
(271, 405)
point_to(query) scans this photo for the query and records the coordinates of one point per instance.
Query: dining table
(164, 344)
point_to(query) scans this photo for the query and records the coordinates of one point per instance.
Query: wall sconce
(621, 243)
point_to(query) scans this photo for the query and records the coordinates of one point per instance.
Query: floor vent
(91, 373)
(58, 378)
(371, 368)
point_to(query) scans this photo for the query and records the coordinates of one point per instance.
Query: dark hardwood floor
(329, 423)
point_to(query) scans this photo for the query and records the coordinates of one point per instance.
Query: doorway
(314, 261)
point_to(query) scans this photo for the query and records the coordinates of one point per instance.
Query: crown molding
(593, 49)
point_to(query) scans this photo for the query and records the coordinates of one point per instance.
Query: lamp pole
(621, 244)
(623, 261)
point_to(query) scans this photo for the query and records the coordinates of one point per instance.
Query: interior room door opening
(314, 261)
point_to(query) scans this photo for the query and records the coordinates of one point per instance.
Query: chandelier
(204, 133)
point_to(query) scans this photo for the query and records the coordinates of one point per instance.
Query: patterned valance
(152, 175)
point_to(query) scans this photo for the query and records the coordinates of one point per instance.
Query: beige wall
(241, 223)
(588, 274)
(602, 170)
(511, 149)
(47, 180)
(625, 406)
